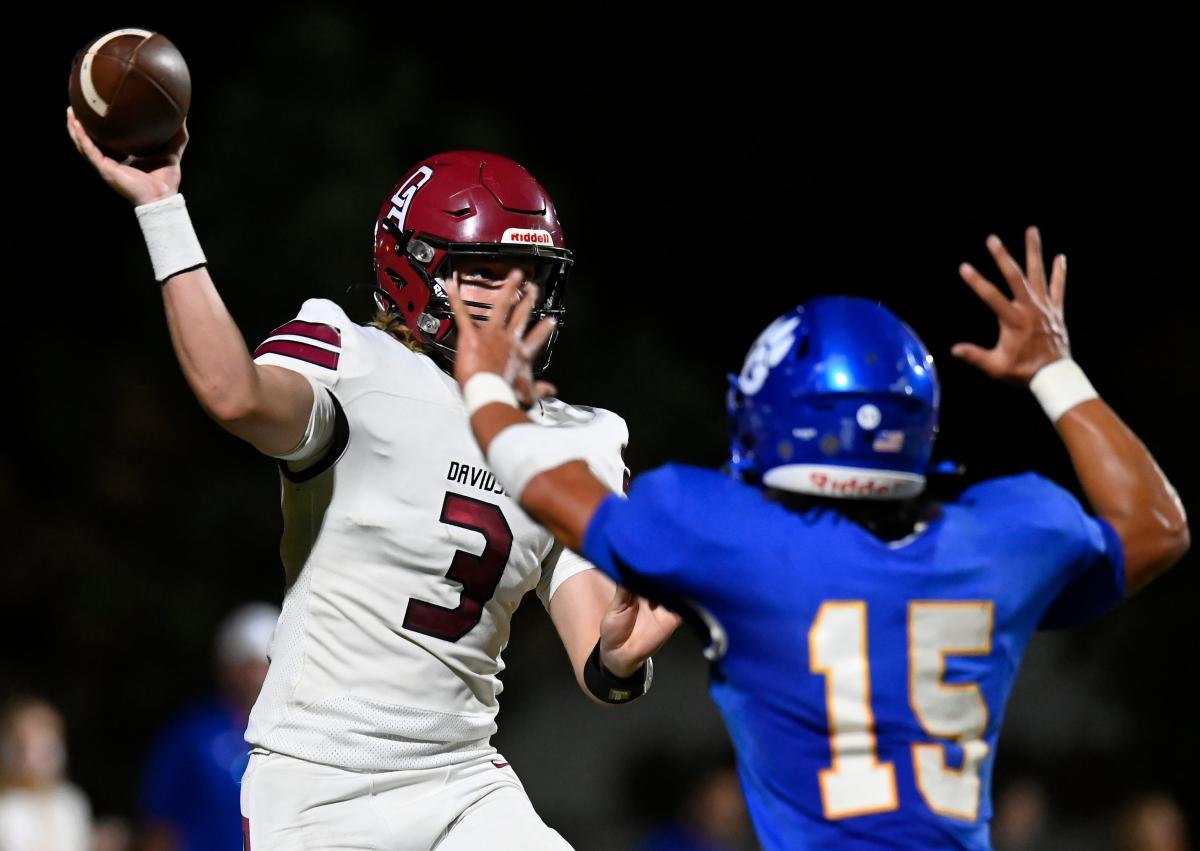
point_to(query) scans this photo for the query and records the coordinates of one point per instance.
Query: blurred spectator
(1152, 822)
(192, 785)
(711, 816)
(112, 834)
(1020, 820)
(39, 809)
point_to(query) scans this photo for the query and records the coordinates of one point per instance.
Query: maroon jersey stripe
(324, 333)
(299, 351)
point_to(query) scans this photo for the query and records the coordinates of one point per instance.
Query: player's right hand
(632, 630)
(139, 180)
(1033, 332)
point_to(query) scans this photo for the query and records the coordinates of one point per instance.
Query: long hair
(390, 322)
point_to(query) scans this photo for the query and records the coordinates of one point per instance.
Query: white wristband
(520, 452)
(1060, 386)
(170, 237)
(483, 388)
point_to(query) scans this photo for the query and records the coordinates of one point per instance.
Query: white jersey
(55, 820)
(404, 558)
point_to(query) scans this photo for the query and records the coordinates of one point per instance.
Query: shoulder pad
(311, 343)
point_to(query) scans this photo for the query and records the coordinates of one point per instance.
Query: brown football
(131, 90)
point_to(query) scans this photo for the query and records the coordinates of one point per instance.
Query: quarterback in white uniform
(404, 558)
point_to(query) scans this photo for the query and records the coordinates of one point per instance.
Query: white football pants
(292, 805)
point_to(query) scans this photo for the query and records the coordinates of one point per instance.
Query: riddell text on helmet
(535, 237)
(850, 487)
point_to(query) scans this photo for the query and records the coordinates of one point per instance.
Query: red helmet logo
(404, 193)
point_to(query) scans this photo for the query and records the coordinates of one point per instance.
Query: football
(131, 90)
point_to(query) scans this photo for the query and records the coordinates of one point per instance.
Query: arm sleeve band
(1061, 386)
(319, 432)
(170, 237)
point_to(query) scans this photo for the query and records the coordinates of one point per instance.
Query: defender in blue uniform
(865, 636)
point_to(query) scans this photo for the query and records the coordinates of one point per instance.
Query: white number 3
(857, 783)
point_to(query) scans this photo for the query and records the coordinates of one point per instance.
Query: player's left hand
(632, 630)
(1033, 332)
(501, 345)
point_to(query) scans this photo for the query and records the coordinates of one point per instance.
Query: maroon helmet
(458, 205)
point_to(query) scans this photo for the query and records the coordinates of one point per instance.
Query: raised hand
(139, 180)
(1033, 332)
(500, 344)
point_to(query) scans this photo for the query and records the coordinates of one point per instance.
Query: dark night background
(711, 168)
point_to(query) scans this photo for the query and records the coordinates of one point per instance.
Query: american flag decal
(311, 342)
(889, 441)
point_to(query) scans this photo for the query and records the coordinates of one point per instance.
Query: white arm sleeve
(558, 567)
(319, 432)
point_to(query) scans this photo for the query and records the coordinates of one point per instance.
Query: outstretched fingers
(536, 339)
(521, 311)
(988, 293)
(462, 317)
(1035, 269)
(1058, 280)
(976, 356)
(1010, 269)
(528, 344)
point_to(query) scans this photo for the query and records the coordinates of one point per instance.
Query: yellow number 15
(857, 783)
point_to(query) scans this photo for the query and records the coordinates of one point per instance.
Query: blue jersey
(193, 779)
(863, 683)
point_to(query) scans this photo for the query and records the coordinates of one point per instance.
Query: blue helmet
(837, 398)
